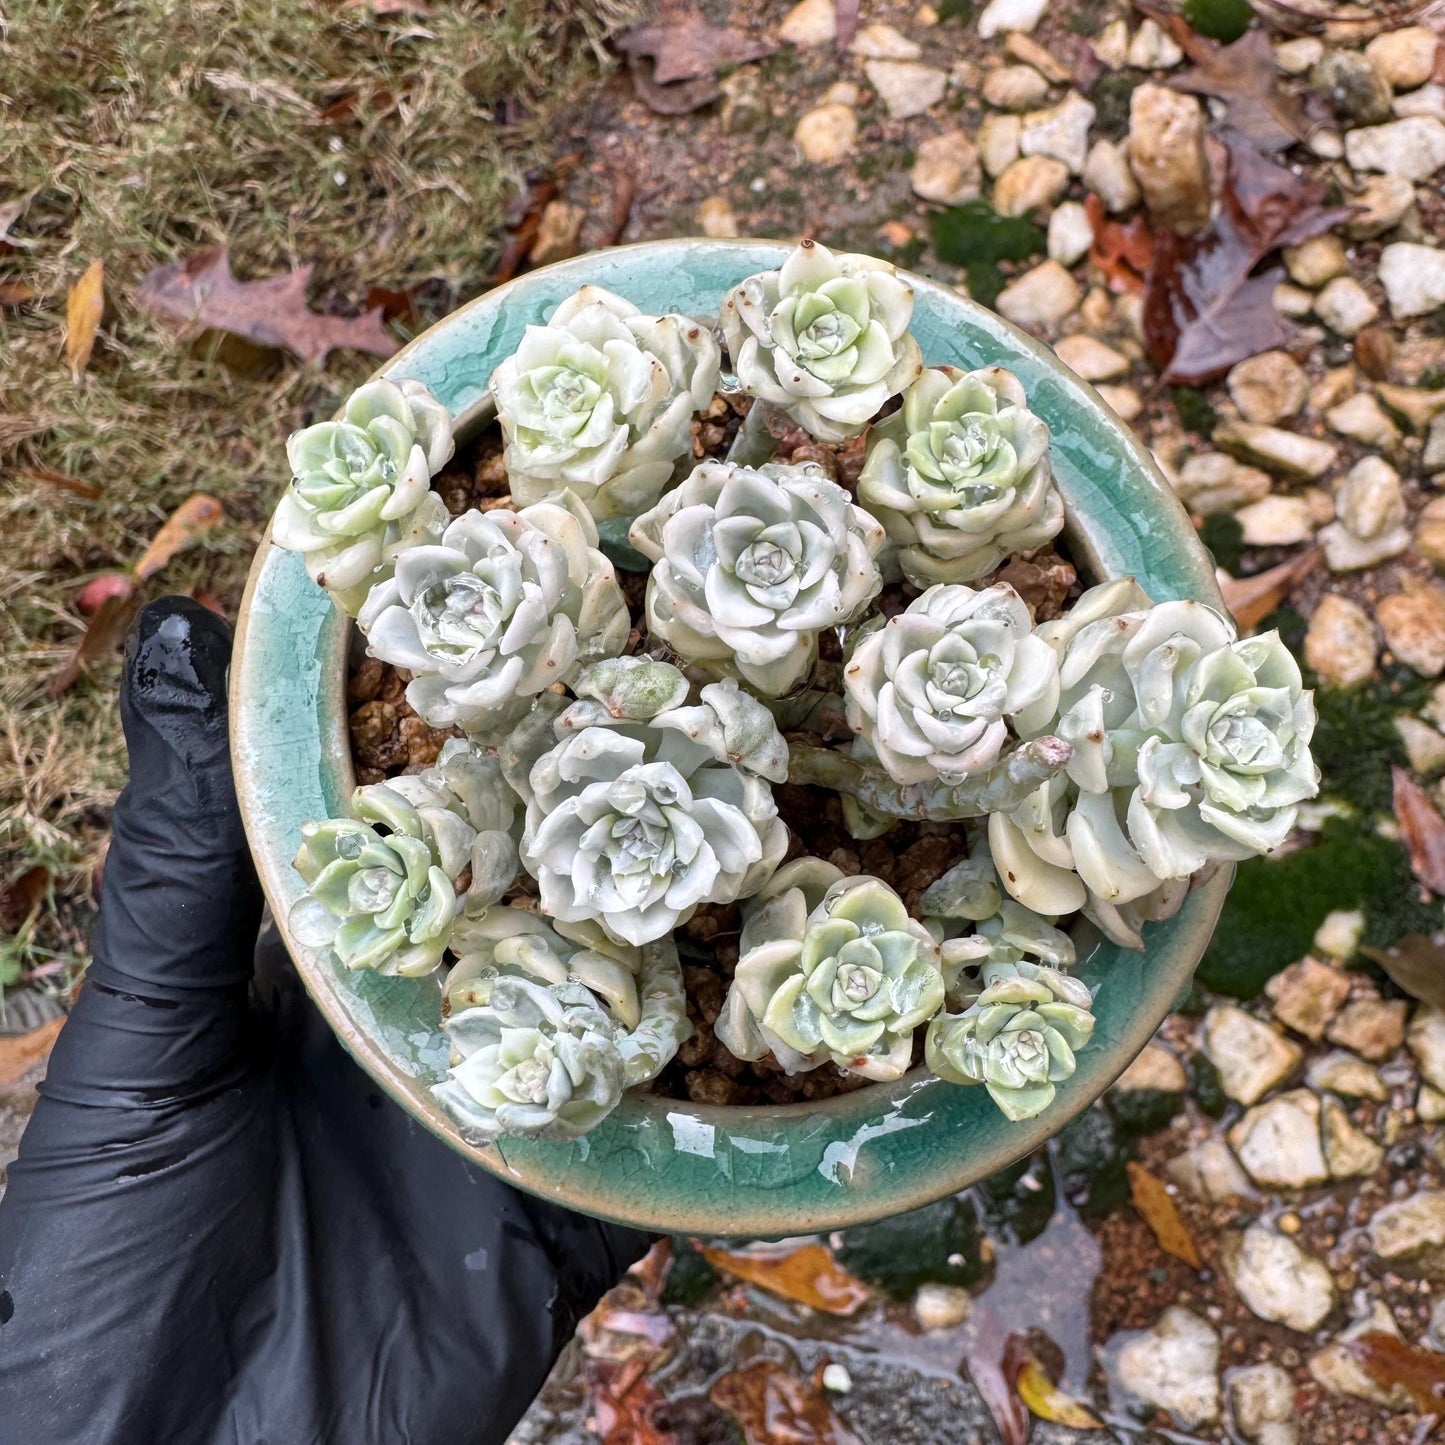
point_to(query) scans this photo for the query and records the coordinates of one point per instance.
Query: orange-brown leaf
(15, 293)
(195, 516)
(775, 1407)
(1252, 599)
(623, 1416)
(808, 1274)
(1423, 831)
(20, 1054)
(1390, 1362)
(1123, 253)
(1047, 1401)
(272, 312)
(84, 306)
(1159, 1211)
(110, 623)
(65, 482)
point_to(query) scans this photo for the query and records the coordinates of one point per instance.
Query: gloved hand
(218, 1228)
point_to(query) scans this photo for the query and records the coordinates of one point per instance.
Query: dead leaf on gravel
(808, 1274)
(52, 478)
(1044, 1398)
(1252, 599)
(1122, 252)
(1158, 1210)
(674, 64)
(84, 307)
(775, 1407)
(202, 291)
(1417, 963)
(1390, 1362)
(20, 1054)
(846, 23)
(1422, 829)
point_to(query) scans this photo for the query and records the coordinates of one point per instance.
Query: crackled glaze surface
(657, 1163)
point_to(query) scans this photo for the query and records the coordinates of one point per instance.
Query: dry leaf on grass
(195, 516)
(203, 292)
(775, 1407)
(20, 1054)
(1039, 1392)
(1422, 829)
(84, 306)
(808, 1274)
(52, 478)
(15, 293)
(1252, 599)
(1390, 1362)
(1158, 1210)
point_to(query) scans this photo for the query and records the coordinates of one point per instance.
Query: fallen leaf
(808, 1274)
(1044, 1398)
(210, 602)
(992, 1371)
(775, 1407)
(19, 899)
(110, 623)
(84, 306)
(21, 1053)
(195, 516)
(1206, 307)
(1422, 829)
(686, 47)
(52, 478)
(15, 293)
(1158, 1210)
(390, 7)
(625, 1417)
(395, 304)
(1122, 252)
(1252, 599)
(1390, 1362)
(846, 22)
(95, 593)
(1417, 963)
(272, 312)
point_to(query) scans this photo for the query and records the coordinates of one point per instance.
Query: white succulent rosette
(934, 691)
(1191, 747)
(361, 485)
(647, 807)
(600, 400)
(960, 476)
(386, 885)
(502, 607)
(750, 564)
(825, 337)
(831, 967)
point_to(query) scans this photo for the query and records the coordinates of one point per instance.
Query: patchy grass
(384, 150)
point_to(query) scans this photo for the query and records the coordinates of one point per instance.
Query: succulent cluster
(612, 771)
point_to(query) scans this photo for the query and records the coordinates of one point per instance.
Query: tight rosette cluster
(361, 485)
(647, 808)
(933, 691)
(749, 565)
(600, 400)
(960, 477)
(384, 886)
(831, 968)
(1018, 1039)
(825, 337)
(1191, 746)
(505, 605)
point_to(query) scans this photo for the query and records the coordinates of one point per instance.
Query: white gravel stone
(1268, 388)
(1124, 401)
(1111, 44)
(1001, 15)
(1296, 57)
(1167, 156)
(1262, 1400)
(1015, 87)
(1405, 57)
(1278, 1142)
(1062, 132)
(1409, 1234)
(1071, 235)
(1382, 204)
(941, 1306)
(1091, 359)
(1030, 184)
(1174, 1366)
(1041, 297)
(1362, 419)
(1373, 1027)
(1341, 1072)
(1293, 301)
(1108, 174)
(715, 217)
(1339, 935)
(1285, 453)
(1157, 1070)
(1345, 306)
(810, 22)
(1317, 260)
(1344, 552)
(1277, 522)
(1251, 1057)
(1414, 279)
(1153, 48)
(1341, 644)
(1337, 1370)
(1413, 621)
(1424, 745)
(883, 42)
(1209, 1171)
(998, 142)
(826, 134)
(1307, 995)
(946, 169)
(1429, 100)
(1277, 1280)
(1211, 482)
(1426, 1039)
(1350, 1153)
(904, 87)
(1413, 148)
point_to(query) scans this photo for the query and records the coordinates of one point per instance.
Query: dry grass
(383, 149)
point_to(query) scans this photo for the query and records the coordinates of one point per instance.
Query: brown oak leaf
(674, 63)
(1422, 829)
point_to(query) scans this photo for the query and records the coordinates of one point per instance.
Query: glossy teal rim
(657, 1163)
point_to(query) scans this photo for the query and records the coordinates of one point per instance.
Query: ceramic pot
(657, 1163)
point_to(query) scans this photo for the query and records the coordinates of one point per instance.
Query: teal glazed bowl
(657, 1163)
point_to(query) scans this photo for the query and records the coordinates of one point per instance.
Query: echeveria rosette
(934, 690)
(646, 808)
(751, 564)
(831, 968)
(960, 476)
(383, 886)
(361, 485)
(505, 605)
(600, 400)
(825, 337)
(1018, 1039)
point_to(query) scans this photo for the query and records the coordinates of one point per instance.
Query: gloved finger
(163, 1013)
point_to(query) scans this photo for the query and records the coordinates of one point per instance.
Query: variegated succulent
(504, 606)
(749, 565)
(934, 691)
(646, 807)
(960, 476)
(361, 485)
(831, 968)
(600, 401)
(825, 337)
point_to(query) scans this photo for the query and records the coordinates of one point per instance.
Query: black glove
(218, 1228)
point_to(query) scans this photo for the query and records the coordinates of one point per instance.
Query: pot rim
(650, 1131)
